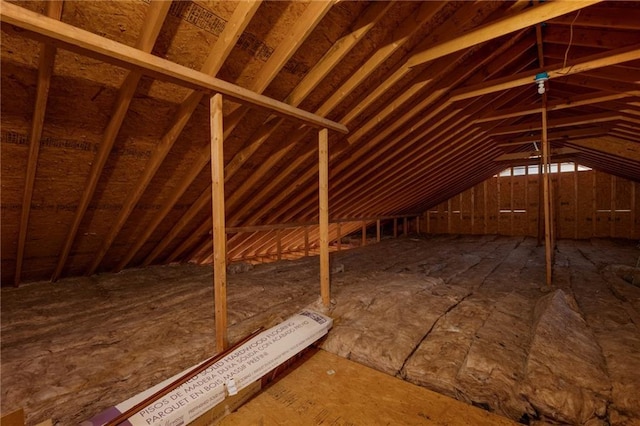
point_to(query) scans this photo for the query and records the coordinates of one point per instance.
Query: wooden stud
(279, 244)
(546, 194)
(218, 213)
(364, 233)
(323, 175)
(612, 208)
(576, 198)
(45, 70)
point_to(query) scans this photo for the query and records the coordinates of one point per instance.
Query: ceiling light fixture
(540, 79)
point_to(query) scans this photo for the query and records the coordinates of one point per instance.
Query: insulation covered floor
(468, 317)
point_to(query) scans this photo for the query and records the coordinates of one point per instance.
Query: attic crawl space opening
(107, 173)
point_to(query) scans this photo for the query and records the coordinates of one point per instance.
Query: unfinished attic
(450, 189)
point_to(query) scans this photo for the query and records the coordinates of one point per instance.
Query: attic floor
(467, 316)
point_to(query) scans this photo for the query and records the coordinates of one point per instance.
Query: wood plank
(45, 70)
(527, 18)
(327, 389)
(86, 43)
(625, 54)
(323, 177)
(156, 14)
(15, 418)
(218, 213)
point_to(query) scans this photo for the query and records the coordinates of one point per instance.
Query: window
(534, 169)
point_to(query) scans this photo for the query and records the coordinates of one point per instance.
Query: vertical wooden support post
(219, 232)
(546, 193)
(306, 241)
(575, 200)
(378, 230)
(485, 210)
(612, 212)
(594, 204)
(323, 165)
(395, 227)
(364, 234)
(279, 244)
(338, 229)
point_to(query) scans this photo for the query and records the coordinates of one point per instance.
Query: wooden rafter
(218, 54)
(610, 145)
(101, 48)
(524, 19)
(617, 56)
(45, 70)
(156, 15)
(315, 76)
(352, 167)
(214, 61)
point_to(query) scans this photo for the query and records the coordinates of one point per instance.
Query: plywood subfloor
(325, 389)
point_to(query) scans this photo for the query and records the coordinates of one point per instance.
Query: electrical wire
(566, 53)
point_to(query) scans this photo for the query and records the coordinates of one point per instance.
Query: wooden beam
(531, 155)
(156, 13)
(574, 102)
(519, 21)
(364, 233)
(576, 120)
(218, 213)
(84, 42)
(565, 134)
(624, 54)
(45, 70)
(323, 165)
(610, 145)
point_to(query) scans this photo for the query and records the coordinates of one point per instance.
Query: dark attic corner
(239, 212)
